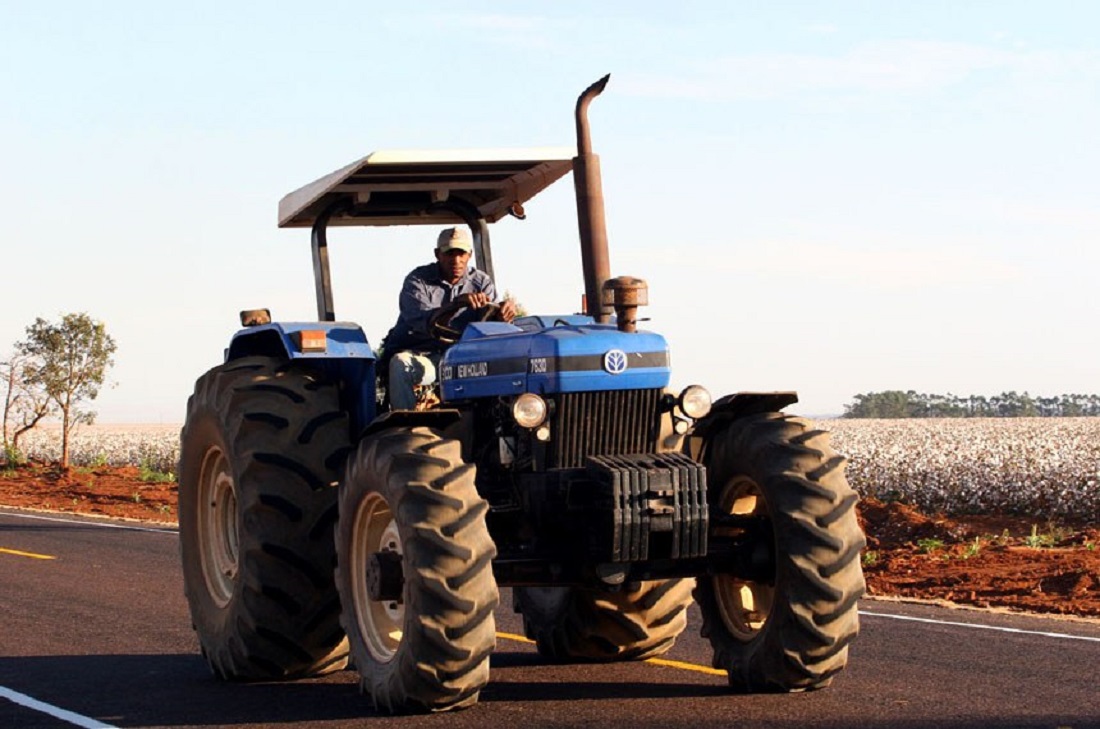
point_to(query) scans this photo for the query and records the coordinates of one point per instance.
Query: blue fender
(346, 357)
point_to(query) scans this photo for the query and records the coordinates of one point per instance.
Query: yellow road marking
(686, 666)
(516, 638)
(32, 555)
(683, 666)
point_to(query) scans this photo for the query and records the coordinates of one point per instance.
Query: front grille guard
(606, 423)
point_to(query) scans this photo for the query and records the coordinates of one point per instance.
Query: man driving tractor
(432, 296)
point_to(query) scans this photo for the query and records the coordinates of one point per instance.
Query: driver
(434, 294)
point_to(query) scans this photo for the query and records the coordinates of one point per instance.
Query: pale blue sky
(832, 197)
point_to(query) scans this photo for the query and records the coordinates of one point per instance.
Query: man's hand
(508, 310)
(474, 300)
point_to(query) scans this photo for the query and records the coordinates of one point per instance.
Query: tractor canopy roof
(421, 187)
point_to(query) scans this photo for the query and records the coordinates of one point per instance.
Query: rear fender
(346, 358)
(285, 339)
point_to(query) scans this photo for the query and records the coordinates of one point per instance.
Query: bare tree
(25, 405)
(69, 361)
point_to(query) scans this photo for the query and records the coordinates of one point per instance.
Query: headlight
(529, 410)
(695, 401)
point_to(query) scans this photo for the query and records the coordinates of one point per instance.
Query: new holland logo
(615, 361)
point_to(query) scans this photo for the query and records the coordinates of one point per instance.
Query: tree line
(911, 404)
(53, 372)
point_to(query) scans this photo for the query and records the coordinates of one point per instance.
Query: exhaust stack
(590, 212)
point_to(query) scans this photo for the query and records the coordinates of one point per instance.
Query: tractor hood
(547, 355)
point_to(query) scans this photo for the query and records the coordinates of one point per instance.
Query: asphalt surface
(94, 631)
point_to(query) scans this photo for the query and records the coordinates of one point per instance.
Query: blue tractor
(321, 528)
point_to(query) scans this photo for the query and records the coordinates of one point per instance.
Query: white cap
(452, 238)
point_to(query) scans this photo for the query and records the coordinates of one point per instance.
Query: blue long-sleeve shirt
(422, 294)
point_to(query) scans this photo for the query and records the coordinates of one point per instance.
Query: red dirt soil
(1017, 563)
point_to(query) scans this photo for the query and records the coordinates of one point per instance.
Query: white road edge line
(55, 712)
(89, 522)
(980, 626)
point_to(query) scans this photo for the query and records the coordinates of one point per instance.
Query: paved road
(101, 630)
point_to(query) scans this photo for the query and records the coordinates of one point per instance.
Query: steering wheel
(440, 325)
(489, 312)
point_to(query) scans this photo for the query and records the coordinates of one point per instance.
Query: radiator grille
(614, 422)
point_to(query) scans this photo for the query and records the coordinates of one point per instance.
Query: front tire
(409, 497)
(583, 624)
(790, 632)
(262, 443)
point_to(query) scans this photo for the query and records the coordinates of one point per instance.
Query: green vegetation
(148, 474)
(929, 544)
(870, 557)
(56, 369)
(1048, 538)
(912, 404)
(13, 457)
(973, 548)
(1036, 540)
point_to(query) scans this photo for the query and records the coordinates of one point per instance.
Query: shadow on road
(168, 690)
(178, 690)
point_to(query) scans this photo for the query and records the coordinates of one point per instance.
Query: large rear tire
(262, 445)
(582, 624)
(789, 632)
(409, 497)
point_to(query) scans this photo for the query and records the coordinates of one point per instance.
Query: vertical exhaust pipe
(590, 211)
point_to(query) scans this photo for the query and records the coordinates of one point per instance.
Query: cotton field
(1038, 466)
(156, 447)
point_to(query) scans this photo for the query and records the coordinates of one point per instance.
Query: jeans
(407, 370)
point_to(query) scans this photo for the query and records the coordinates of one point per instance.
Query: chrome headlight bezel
(695, 401)
(530, 410)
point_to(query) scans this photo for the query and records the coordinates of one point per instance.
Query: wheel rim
(744, 604)
(217, 522)
(381, 622)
